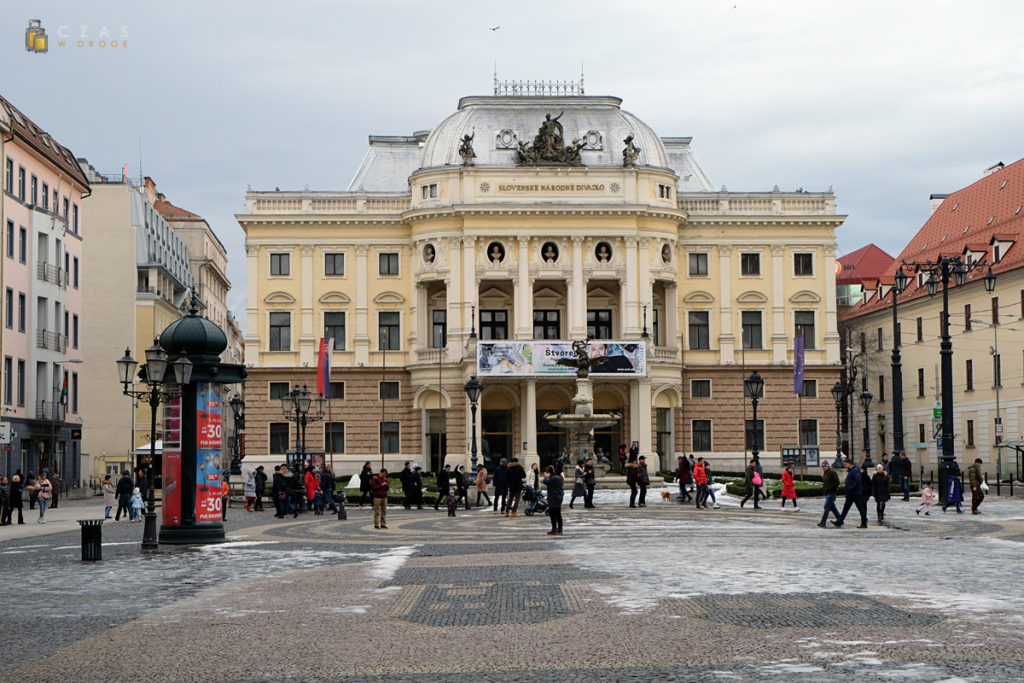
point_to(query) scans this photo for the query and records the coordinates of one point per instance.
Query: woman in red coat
(312, 484)
(788, 489)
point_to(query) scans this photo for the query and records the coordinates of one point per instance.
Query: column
(422, 329)
(453, 286)
(254, 326)
(780, 328)
(577, 300)
(630, 292)
(470, 290)
(645, 286)
(524, 293)
(726, 337)
(644, 429)
(362, 335)
(670, 324)
(832, 354)
(309, 332)
(529, 421)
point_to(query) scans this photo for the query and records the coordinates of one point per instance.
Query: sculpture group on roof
(549, 146)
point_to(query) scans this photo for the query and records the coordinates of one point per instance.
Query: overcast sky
(886, 102)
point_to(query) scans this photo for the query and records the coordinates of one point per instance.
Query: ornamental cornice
(555, 210)
(784, 221)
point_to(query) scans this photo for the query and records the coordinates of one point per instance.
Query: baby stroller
(535, 501)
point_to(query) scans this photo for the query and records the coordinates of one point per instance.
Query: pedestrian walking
(711, 486)
(141, 481)
(632, 477)
(481, 486)
(365, 478)
(829, 487)
(462, 485)
(752, 481)
(379, 488)
(634, 452)
(109, 500)
(327, 486)
(417, 487)
(880, 490)
(311, 483)
(30, 486)
(579, 490)
(927, 499)
(643, 480)
(501, 486)
(516, 477)
(955, 493)
(136, 505)
(44, 493)
(249, 488)
(904, 470)
(976, 481)
(261, 487)
(683, 478)
(701, 478)
(444, 484)
(866, 490)
(225, 498)
(788, 487)
(853, 495)
(555, 484)
(622, 458)
(535, 474)
(589, 482)
(17, 501)
(405, 478)
(56, 484)
(451, 503)
(5, 501)
(124, 496)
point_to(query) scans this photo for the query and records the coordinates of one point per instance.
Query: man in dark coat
(55, 484)
(830, 487)
(516, 477)
(501, 485)
(555, 484)
(853, 495)
(905, 470)
(461, 486)
(416, 487)
(444, 484)
(279, 491)
(327, 486)
(365, 477)
(683, 478)
(405, 477)
(261, 486)
(123, 491)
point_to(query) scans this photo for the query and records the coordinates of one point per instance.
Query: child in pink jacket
(927, 499)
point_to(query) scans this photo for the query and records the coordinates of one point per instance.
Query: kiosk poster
(171, 508)
(208, 452)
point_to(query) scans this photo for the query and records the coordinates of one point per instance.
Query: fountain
(582, 421)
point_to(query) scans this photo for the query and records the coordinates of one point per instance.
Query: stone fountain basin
(582, 423)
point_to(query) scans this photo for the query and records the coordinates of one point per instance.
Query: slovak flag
(323, 368)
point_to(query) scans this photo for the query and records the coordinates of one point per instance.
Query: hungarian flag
(323, 368)
(64, 391)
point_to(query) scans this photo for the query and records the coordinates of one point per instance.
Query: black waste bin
(92, 539)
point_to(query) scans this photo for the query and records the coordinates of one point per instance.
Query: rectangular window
(9, 309)
(750, 264)
(881, 387)
(803, 264)
(880, 344)
(493, 325)
(547, 324)
(280, 331)
(967, 317)
(997, 371)
(21, 183)
(21, 311)
(280, 264)
(75, 274)
(920, 382)
(700, 329)
(74, 331)
(388, 390)
(1022, 303)
(920, 329)
(755, 438)
(278, 390)
(700, 388)
(334, 328)
(389, 437)
(22, 244)
(21, 382)
(995, 310)
(74, 392)
(56, 204)
(809, 389)
(67, 206)
(10, 239)
(429, 191)
(751, 329)
(808, 432)
(439, 328)
(969, 374)
(920, 433)
(970, 433)
(74, 218)
(334, 264)
(278, 438)
(334, 437)
(655, 328)
(338, 390)
(8, 380)
(388, 331)
(805, 327)
(599, 323)
(9, 176)
(46, 196)
(698, 264)
(701, 430)
(863, 342)
(33, 189)
(388, 264)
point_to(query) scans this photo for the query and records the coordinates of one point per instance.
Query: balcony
(664, 353)
(48, 272)
(51, 340)
(50, 410)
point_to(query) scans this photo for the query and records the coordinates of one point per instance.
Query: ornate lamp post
(900, 284)
(865, 401)
(754, 386)
(839, 396)
(152, 373)
(941, 270)
(295, 405)
(238, 410)
(473, 389)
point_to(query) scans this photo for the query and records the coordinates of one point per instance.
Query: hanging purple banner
(798, 365)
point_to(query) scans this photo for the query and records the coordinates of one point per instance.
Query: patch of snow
(385, 565)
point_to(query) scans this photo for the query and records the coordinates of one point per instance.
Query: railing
(50, 410)
(538, 88)
(797, 203)
(48, 272)
(430, 355)
(321, 203)
(664, 353)
(51, 340)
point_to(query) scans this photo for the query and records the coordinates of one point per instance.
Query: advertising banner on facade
(208, 452)
(538, 358)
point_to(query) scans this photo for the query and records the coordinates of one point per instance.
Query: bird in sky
(495, 28)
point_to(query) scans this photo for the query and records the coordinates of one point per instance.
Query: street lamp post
(754, 386)
(238, 410)
(473, 389)
(297, 401)
(900, 284)
(839, 395)
(865, 401)
(152, 373)
(940, 271)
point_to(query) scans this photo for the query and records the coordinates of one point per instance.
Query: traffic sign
(5, 432)
(937, 410)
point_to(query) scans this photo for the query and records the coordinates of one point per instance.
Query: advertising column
(208, 453)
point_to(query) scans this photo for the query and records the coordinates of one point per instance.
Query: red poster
(171, 508)
(208, 452)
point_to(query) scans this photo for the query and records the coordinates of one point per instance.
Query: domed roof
(195, 336)
(499, 123)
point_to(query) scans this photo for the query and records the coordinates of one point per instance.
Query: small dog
(665, 495)
(451, 504)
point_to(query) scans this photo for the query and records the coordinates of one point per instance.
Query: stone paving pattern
(664, 593)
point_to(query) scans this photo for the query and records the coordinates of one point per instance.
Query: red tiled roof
(992, 207)
(864, 265)
(168, 210)
(39, 140)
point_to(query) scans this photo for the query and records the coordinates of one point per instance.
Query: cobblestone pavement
(662, 593)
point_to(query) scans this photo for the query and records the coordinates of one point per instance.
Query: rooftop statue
(549, 146)
(630, 152)
(466, 149)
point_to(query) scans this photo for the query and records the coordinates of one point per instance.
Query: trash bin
(92, 539)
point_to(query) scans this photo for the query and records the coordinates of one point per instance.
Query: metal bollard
(92, 539)
(341, 506)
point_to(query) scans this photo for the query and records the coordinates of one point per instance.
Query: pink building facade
(43, 188)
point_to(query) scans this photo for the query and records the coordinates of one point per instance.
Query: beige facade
(428, 256)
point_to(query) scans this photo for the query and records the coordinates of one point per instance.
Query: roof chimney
(936, 199)
(992, 169)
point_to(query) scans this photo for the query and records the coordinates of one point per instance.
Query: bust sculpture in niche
(429, 254)
(603, 252)
(666, 254)
(549, 252)
(496, 253)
